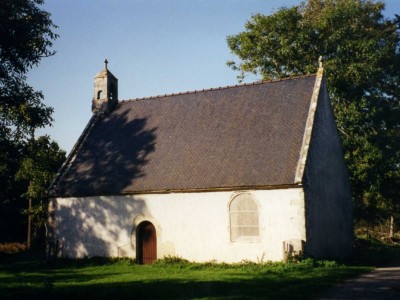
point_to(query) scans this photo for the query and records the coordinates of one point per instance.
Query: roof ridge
(262, 81)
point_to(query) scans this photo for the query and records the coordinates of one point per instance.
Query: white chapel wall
(194, 226)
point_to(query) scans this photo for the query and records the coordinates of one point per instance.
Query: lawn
(22, 277)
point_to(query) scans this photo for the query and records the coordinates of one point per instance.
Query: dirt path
(381, 283)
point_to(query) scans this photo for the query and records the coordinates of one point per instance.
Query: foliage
(362, 53)
(40, 165)
(38, 169)
(10, 155)
(26, 36)
(10, 248)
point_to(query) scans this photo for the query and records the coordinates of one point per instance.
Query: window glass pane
(247, 218)
(244, 218)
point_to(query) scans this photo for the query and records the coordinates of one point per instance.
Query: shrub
(11, 248)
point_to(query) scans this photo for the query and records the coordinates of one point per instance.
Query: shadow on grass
(122, 280)
(253, 288)
(373, 252)
(106, 278)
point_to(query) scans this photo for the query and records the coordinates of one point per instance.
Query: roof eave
(193, 190)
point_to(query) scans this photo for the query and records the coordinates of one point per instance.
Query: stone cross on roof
(105, 63)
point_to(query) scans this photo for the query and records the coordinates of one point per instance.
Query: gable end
(309, 127)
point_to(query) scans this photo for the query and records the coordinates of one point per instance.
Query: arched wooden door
(146, 243)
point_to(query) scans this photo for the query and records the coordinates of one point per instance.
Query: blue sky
(154, 47)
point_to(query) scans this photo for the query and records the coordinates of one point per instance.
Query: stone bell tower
(105, 91)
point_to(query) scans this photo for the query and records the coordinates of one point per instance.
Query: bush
(11, 248)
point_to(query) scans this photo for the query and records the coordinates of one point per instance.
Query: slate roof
(242, 136)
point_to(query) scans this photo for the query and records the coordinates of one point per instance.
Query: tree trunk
(28, 240)
(391, 227)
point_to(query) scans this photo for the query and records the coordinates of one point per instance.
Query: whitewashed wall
(194, 226)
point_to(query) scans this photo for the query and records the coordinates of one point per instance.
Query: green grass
(25, 275)
(22, 277)
(375, 252)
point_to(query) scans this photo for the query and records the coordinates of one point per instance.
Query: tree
(38, 169)
(362, 64)
(11, 153)
(25, 38)
(26, 35)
